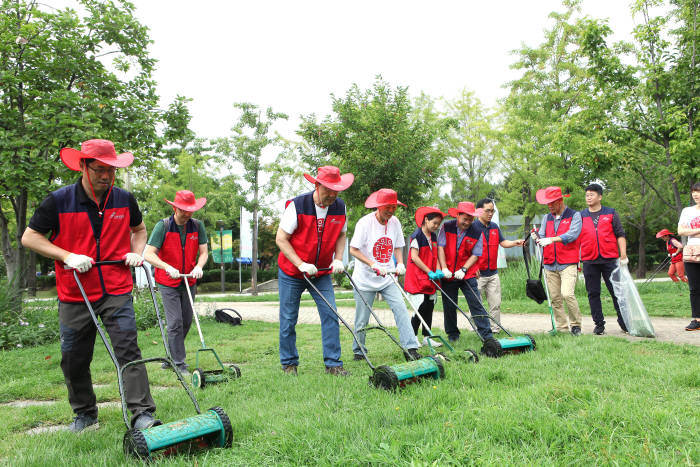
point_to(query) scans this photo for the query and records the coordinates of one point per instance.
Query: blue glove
(437, 275)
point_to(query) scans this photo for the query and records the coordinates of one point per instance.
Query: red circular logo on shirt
(695, 223)
(383, 249)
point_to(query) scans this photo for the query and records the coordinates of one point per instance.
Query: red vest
(173, 253)
(313, 242)
(417, 281)
(455, 259)
(562, 254)
(671, 250)
(598, 240)
(76, 235)
(489, 256)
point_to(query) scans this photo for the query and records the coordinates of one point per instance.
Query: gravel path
(667, 329)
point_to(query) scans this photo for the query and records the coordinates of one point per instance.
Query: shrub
(231, 275)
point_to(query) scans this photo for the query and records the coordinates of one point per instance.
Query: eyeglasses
(103, 170)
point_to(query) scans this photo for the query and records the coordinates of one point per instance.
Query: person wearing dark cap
(559, 234)
(311, 238)
(459, 249)
(178, 245)
(90, 221)
(602, 242)
(378, 237)
(674, 249)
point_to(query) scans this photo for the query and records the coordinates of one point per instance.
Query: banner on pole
(246, 234)
(216, 239)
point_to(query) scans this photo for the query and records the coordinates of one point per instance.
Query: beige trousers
(492, 287)
(561, 286)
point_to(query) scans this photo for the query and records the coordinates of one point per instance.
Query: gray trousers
(178, 314)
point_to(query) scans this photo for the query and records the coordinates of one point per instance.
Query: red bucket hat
(185, 200)
(329, 176)
(663, 232)
(466, 207)
(549, 194)
(100, 149)
(425, 210)
(382, 197)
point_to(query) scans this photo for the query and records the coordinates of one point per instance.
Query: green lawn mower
(390, 377)
(211, 428)
(200, 377)
(495, 347)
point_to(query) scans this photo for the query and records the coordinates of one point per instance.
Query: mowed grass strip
(586, 400)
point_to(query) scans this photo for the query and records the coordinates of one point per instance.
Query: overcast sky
(292, 55)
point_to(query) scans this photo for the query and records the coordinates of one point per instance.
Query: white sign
(246, 234)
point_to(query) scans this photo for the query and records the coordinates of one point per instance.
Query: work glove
(308, 269)
(197, 272)
(400, 269)
(624, 261)
(459, 275)
(337, 266)
(80, 262)
(545, 241)
(172, 272)
(379, 270)
(133, 260)
(447, 273)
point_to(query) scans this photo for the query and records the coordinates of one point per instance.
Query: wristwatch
(464, 270)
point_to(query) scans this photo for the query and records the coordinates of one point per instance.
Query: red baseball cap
(663, 232)
(329, 176)
(99, 149)
(549, 194)
(422, 211)
(466, 207)
(382, 197)
(185, 200)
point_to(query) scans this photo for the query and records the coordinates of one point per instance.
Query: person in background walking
(689, 225)
(674, 248)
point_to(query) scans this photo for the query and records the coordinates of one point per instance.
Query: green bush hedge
(231, 275)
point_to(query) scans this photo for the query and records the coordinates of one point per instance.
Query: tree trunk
(30, 276)
(642, 226)
(254, 270)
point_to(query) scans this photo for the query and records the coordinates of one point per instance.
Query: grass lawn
(574, 401)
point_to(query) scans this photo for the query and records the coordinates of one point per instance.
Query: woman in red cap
(674, 247)
(423, 268)
(178, 245)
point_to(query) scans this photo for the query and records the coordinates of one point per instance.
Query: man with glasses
(488, 279)
(91, 221)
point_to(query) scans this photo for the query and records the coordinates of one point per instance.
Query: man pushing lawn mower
(91, 221)
(175, 243)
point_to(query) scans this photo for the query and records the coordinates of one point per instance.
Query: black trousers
(592, 273)
(426, 311)
(470, 289)
(78, 334)
(692, 271)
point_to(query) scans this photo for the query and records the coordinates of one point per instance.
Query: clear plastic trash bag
(631, 306)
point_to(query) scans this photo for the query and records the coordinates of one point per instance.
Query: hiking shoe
(453, 338)
(693, 326)
(576, 331)
(84, 422)
(165, 366)
(358, 356)
(290, 369)
(183, 370)
(434, 342)
(337, 371)
(412, 354)
(145, 420)
(599, 329)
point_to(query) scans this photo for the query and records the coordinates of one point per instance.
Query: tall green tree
(251, 136)
(66, 77)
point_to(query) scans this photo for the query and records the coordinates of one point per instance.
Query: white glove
(197, 272)
(545, 241)
(459, 274)
(307, 268)
(380, 270)
(80, 262)
(400, 269)
(133, 259)
(337, 266)
(624, 261)
(447, 273)
(172, 272)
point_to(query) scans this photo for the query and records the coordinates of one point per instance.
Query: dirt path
(667, 329)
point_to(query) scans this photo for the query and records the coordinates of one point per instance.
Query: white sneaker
(428, 341)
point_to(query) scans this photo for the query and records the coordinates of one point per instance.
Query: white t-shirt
(690, 217)
(288, 223)
(377, 242)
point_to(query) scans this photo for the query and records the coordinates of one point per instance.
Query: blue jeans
(395, 300)
(470, 289)
(290, 290)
